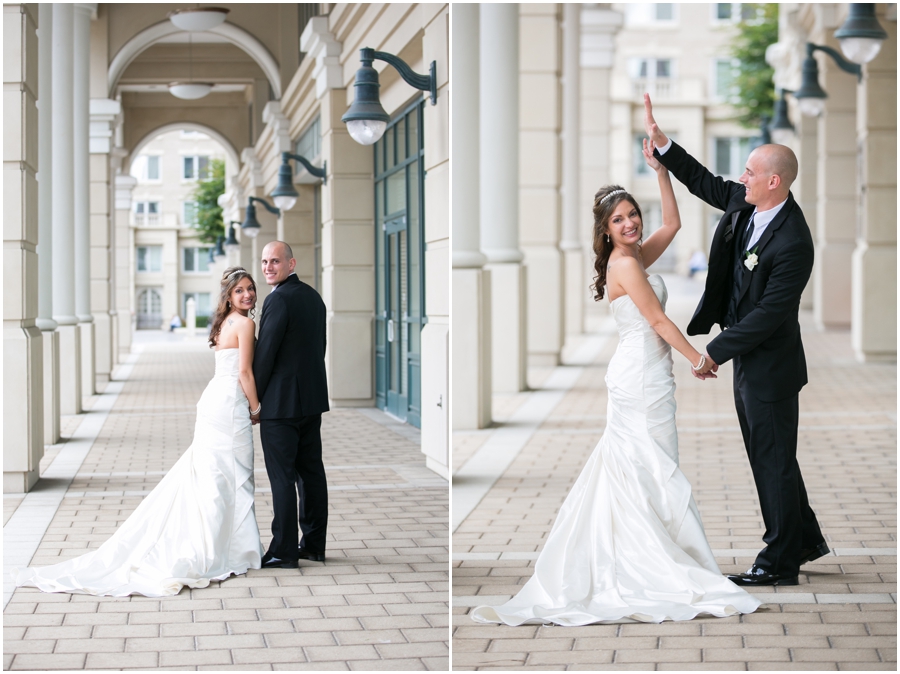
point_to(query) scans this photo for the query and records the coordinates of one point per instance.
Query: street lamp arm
(422, 82)
(313, 170)
(842, 63)
(265, 203)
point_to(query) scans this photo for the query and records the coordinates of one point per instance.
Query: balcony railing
(147, 219)
(657, 88)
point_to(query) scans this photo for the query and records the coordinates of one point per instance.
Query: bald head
(779, 160)
(277, 262)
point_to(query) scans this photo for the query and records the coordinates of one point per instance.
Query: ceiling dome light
(198, 18)
(190, 91)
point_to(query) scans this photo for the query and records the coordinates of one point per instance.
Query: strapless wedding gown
(197, 525)
(628, 541)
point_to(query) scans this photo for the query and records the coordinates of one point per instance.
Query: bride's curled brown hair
(606, 201)
(230, 278)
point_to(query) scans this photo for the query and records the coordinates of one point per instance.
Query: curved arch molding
(233, 157)
(234, 34)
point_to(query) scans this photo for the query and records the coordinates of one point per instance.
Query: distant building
(170, 263)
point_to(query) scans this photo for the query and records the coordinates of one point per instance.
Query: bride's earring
(607, 238)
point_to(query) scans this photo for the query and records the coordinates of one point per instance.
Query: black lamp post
(212, 255)
(366, 120)
(781, 127)
(285, 195)
(861, 35)
(251, 225)
(231, 243)
(810, 95)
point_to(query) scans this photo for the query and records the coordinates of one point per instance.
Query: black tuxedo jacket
(766, 334)
(289, 362)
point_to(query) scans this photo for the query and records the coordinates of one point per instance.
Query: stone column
(806, 146)
(836, 205)
(471, 282)
(23, 401)
(539, 228)
(124, 263)
(598, 29)
(103, 114)
(575, 290)
(435, 397)
(70, 389)
(45, 227)
(81, 47)
(296, 227)
(874, 300)
(499, 193)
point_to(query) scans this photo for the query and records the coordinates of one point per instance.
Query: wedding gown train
(628, 541)
(197, 525)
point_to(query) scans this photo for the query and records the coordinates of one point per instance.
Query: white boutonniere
(752, 259)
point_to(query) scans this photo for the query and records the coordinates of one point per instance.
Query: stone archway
(232, 33)
(232, 166)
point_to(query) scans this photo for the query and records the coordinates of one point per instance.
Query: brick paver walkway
(842, 616)
(380, 601)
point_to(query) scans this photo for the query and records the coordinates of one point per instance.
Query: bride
(199, 523)
(628, 541)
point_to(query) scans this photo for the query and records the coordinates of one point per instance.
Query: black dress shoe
(270, 562)
(756, 576)
(811, 554)
(310, 555)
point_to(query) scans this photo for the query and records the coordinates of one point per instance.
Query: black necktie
(747, 232)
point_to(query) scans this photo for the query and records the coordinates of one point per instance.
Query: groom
(289, 368)
(760, 260)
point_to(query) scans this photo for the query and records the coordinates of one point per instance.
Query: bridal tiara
(236, 271)
(612, 194)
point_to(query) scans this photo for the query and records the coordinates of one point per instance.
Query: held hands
(652, 161)
(707, 368)
(658, 137)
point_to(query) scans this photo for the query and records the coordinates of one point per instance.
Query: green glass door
(400, 279)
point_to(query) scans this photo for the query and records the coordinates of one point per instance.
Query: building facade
(372, 236)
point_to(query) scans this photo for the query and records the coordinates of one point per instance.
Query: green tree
(208, 218)
(755, 97)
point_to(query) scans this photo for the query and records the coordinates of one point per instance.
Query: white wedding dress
(197, 525)
(628, 541)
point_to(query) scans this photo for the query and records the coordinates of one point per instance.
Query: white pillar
(539, 180)
(45, 227)
(874, 303)
(499, 193)
(435, 355)
(23, 404)
(63, 207)
(124, 263)
(103, 113)
(471, 283)
(598, 29)
(80, 121)
(575, 290)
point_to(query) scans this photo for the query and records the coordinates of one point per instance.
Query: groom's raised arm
(272, 327)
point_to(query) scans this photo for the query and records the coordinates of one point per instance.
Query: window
(731, 156)
(732, 12)
(649, 12)
(725, 72)
(189, 213)
(309, 144)
(146, 168)
(201, 303)
(146, 213)
(195, 260)
(195, 168)
(149, 258)
(650, 68)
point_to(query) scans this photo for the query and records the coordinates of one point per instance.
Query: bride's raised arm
(657, 242)
(246, 334)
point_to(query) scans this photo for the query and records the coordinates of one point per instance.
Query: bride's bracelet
(700, 364)
(253, 413)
